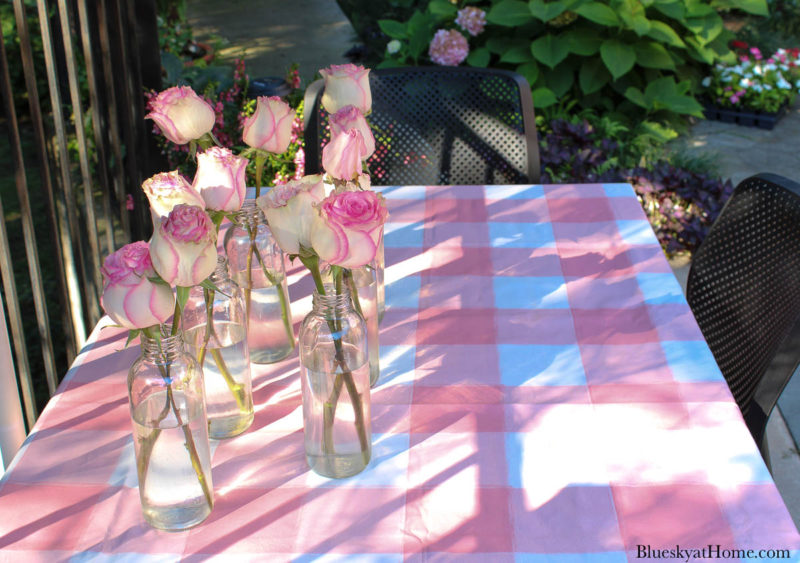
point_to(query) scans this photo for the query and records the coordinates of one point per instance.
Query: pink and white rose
(290, 211)
(181, 114)
(350, 117)
(270, 127)
(184, 246)
(220, 179)
(350, 229)
(346, 85)
(129, 297)
(166, 190)
(343, 156)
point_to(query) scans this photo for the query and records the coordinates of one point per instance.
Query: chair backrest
(441, 125)
(744, 290)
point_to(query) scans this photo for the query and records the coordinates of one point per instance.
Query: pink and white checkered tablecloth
(545, 396)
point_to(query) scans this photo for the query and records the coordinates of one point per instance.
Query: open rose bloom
(220, 179)
(166, 190)
(346, 85)
(270, 127)
(184, 246)
(129, 297)
(350, 229)
(181, 114)
(290, 211)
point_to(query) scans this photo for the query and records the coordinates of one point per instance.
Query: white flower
(758, 87)
(783, 84)
(393, 46)
(745, 83)
(706, 81)
(767, 87)
(757, 70)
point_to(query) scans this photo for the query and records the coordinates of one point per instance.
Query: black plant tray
(759, 119)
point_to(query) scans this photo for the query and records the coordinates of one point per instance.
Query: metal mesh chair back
(744, 290)
(438, 125)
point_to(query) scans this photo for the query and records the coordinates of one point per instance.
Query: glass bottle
(215, 330)
(170, 434)
(380, 266)
(334, 374)
(363, 285)
(256, 264)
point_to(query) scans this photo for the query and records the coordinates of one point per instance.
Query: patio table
(545, 396)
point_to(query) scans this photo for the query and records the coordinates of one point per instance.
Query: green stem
(261, 158)
(287, 323)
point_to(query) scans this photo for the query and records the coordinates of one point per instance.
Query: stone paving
(273, 34)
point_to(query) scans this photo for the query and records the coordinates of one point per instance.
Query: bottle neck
(330, 303)
(250, 215)
(220, 273)
(166, 350)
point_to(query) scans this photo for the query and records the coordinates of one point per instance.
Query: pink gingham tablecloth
(545, 396)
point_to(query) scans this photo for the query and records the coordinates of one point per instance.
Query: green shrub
(638, 58)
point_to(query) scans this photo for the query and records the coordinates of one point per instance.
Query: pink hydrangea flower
(448, 48)
(472, 20)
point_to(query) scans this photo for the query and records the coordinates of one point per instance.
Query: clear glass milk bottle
(170, 434)
(215, 330)
(334, 374)
(256, 264)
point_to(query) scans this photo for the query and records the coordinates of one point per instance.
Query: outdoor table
(545, 395)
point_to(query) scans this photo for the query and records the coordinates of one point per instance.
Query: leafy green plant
(641, 58)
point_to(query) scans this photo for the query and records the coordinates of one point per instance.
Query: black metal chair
(441, 125)
(744, 290)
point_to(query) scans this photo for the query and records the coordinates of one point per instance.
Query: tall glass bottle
(215, 330)
(170, 434)
(256, 264)
(380, 266)
(334, 373)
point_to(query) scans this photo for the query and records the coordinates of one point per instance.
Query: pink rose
(346, 85)
(270, 127)
(350, 117)
(342, 157)
(220, 179)
(448, 47)
(350, 229)
(166, 190)
(129, 297)
(184, 246)
(290, 211)
(181, 115)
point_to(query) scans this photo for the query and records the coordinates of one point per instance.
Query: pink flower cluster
(448, 48)
(472, 20)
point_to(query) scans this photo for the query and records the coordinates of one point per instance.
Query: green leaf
(705, 28)
(582, 42)
(530, 71)
(658, 131)
(550, 50)
(172, 65)
(393, 29)
(500, 45)
(132, 334)
(158, 280)
(593, 75)
(560, 80)
(617, 56)
(699, 52)
(635, 95)
(479, 57)
(598, 13)
(672, 9)
(442, 8)
(546, 11)
(182, 294)
(543, 97)
(509, 13)
(632, 13)
(663, 33)
(520, 53)
(653, 55)
(757, 7)
(698, 9)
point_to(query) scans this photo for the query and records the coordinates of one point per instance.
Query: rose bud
(270, 127)
(184, 246)
(181, 115)
(350, 117)
(346, 85)
(342, 157)
(350, 228)
(166, 190)
(289, 211)
(220, 179)
(129, 297)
